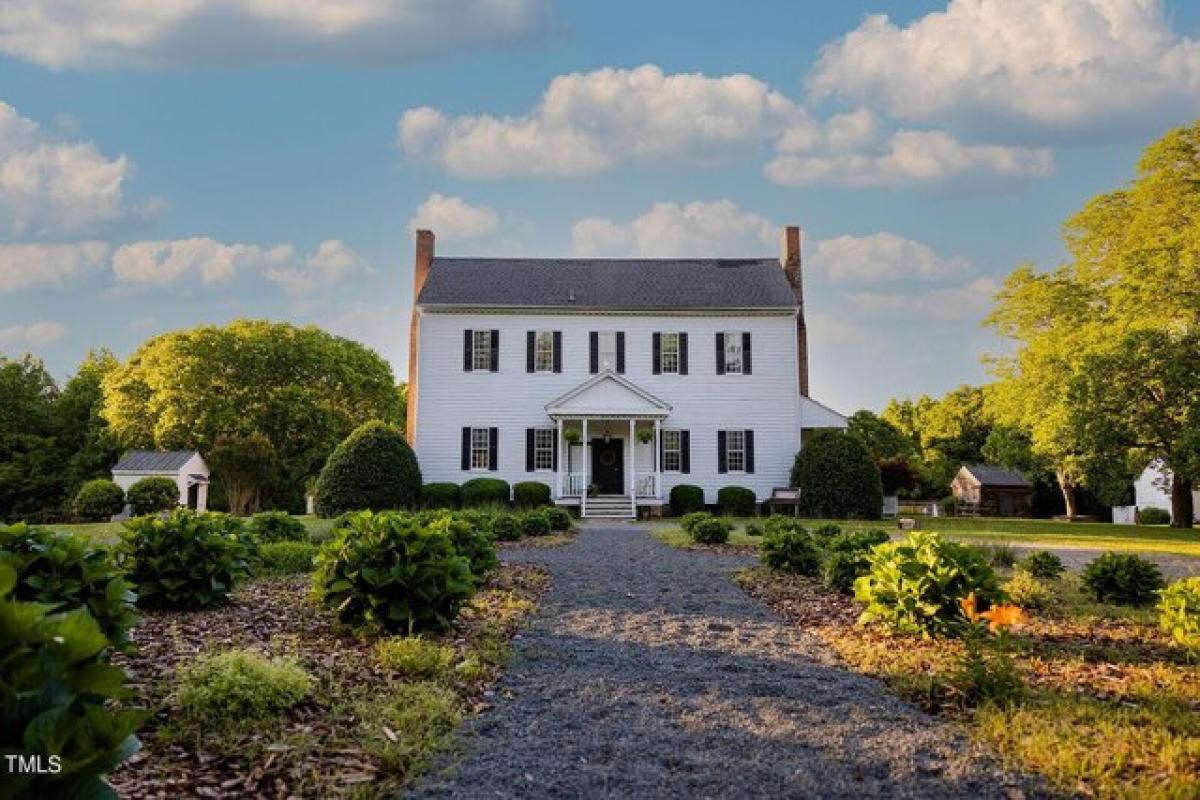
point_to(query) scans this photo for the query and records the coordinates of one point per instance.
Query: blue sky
(166, 168)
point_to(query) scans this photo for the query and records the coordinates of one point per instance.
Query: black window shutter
(656, 353)
(593, 352)
(493, 436)
(747, 361)
(621, 352)
(722, 460)
(468, 361)
(466, 449)
(556, 445)
(495, 367)
(685, 451)
(662, 450)
(749, 450)
(557, 354)
(720, 354)
(530, 338)
(683, 354)
(529, 449)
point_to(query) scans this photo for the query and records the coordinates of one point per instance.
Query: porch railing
(573, 484)
(647, 486)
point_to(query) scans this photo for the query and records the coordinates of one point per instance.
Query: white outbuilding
(185, 467)
(1152, 489)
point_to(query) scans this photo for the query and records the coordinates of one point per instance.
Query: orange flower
(968, 606)
(1003, 616)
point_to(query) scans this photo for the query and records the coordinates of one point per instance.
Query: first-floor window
(543, 448)
(480, 448)
(735, 451)
(672, 455)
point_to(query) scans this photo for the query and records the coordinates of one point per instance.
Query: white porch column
(560, 460)
(632, 468)
(657, 466)
(587, 471)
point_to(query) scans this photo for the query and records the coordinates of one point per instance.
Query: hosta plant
(915, 585)
(1179, 613)
(66, 571)
(185, 560)
(389, 571)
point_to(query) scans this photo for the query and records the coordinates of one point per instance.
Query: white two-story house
(611, 380)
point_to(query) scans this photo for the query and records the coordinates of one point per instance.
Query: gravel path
(648, 673)
(1074, 559)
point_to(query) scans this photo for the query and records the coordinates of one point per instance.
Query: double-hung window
(672, 451)
(481, 350)
(733, 353)
(480, 448)
(607, 351)
(735, 451)
(669, 355)
(543, 449)
(543, 351)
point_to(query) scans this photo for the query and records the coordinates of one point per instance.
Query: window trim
(478, 350)
(476, 448)
(678, 451)
(539, 351)
(734, 339)
(547, 450)
(730, 450)
(600, 351)
(662, 353)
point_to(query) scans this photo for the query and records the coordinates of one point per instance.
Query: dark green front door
(608, 465)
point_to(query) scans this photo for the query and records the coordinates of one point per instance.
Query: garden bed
(1111, 708)
(361, 724)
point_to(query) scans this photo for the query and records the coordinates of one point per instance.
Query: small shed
(992, 491)
(185, 467)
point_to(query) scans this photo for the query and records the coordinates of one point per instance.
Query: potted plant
(571, 435)
(593, 489)
(645, 435)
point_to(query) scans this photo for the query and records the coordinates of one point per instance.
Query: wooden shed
(991, 491)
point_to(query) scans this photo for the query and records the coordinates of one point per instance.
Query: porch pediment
(608, 395)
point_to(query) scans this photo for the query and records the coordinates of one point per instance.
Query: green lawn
(106, 532)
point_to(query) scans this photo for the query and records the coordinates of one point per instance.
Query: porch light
(607, 434)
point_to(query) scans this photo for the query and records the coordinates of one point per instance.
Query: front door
(608, 465)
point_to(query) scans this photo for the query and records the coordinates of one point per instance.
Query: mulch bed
(723, 549)
(561, 539)
(315, 749)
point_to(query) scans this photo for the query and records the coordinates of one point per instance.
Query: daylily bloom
(1003, 616)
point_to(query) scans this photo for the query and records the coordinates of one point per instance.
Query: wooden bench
(785, 496)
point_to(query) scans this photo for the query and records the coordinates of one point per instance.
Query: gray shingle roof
(596, 283)
(989, 475)
(153, 460)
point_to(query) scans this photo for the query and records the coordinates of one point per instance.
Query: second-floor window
(733, 353)
(543, 351)
(481, 350)
(607, 350)
(669, 353)
(672, 451)
(669, 357)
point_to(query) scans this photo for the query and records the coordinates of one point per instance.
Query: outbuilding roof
(154, 460)
(607, 283)
(989, 475)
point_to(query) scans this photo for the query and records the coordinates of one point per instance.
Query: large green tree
(31, 479)
(302, 388)
(88, 447)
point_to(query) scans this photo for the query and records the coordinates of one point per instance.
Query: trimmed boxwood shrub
(535, 523)
(277, 526)
(475, 543)
(914, 585)
(1179, 613)
(686, 498)
(485, 492)
(1122, 578)
(186, 560)
(441, 495)
(837, 477)
(66, 571)
(98, 500)
(152, 496)
(531, 494)
(691, 520)
(387, 570)
(713, 530)
(736, 501)
(560, 519)
(58, 688)
(374, 469)
(1154, 516)
(506, 528)
(791, 551)
(286, 558)
(1041, 564)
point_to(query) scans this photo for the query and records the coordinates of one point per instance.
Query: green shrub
(736, 501)
(277, 526)
(477, 519)
(837, 477)
(485, 492)
(1122, 578)
(65, 571)
(691, 520)
(560, 519)
(286, 558)
(441, 495)
(387, 570)
(1028, 591)
(374, 469)
(791, 550)
(999, 554)
(56, 693)
(1153, 516)
(857, 541)
(1042, 564)
(186, 560)
(714, 530)
(531, 494)
(914, 585)
(826, 533)
(1179, 613)
(473, 543)
(779, 524)
(753, 529)
(152, 496)
(414, 657)
(842, 568)
(535, 523)
(239, 686)
(506, 528)
(98, 500)
(686, 498)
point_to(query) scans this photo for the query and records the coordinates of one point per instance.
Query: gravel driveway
(648, 673)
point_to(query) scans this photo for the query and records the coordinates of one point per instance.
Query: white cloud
(32, 265)
(883, 257)
(1086, 66)
(55, 188)
(912, 158)
(151, 33)
(953, 303)
(332, 263)
(453, 219)
(33, 335)
(715, 229)
(587, 122)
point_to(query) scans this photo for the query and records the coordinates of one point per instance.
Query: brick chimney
(789, 259)
(424, 258)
